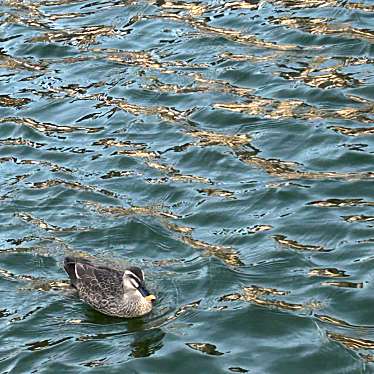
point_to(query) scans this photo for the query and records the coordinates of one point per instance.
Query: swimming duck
(110, 291)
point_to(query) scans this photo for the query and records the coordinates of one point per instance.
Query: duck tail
(69, 266)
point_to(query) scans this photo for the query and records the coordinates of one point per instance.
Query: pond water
(226, 147)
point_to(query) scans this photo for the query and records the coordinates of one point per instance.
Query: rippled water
(224, 146)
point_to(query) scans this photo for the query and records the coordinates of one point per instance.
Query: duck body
(110, 291)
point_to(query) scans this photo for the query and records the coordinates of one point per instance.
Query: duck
(110, 291)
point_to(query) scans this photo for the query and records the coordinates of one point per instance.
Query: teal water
(226, 147)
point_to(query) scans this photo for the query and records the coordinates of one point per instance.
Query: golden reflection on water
(47, 128)
(302, 4)
(358, 218)
(288, 170)
(260, 296)
(216, 192)
(334, 203)
(360, 131)
(6, 100)
(275, 109)
(293, 244)
(332, 320)
(328, 272)
(229, 34)
(207, 348)
(142, 153)
(174, 174)
(343, 284)
(350, 342)
(325, 26)
(70, 185)
(210, 138)
(133, 210)
(323, 77)
(44, 225)
(227, 254)
(194, 9)
(84, 36)
(19, 141)
(53, 167)
(30, 282)
(211, 85)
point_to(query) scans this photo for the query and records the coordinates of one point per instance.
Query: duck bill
(150, 298)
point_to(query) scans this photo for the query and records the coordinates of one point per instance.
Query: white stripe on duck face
(134, 279)
(80, 266)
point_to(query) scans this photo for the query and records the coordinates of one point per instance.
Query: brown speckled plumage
(110, 291)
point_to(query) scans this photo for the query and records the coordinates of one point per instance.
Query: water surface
(226, 147)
